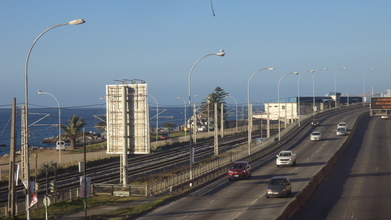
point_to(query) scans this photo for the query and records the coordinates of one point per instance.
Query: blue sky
(159, 41)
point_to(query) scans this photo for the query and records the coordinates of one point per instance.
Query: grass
(77, 205)
(132, 211)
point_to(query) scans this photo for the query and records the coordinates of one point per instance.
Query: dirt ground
(39, 157)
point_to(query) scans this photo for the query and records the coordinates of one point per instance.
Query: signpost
(380, 106)
(46, 203)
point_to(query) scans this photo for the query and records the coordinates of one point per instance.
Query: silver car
(316, 136)
(279, 186)
(341, 131)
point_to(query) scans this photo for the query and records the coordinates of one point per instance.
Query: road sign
(46, 201)
(381, 103)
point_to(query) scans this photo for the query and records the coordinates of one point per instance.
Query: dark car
(279, 186)
(239, 170)
(315, 122)
(164, 136)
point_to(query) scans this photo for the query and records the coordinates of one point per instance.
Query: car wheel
(267, 197)
(278, 165)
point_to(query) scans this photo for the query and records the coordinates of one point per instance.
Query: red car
(239, 170)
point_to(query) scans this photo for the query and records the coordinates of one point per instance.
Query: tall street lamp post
(298, 95)
(335, 85)
(249, 110)
(59, 142)
(279, 107)
(26, 106)
(236, 111)
(221, 53)
(313, 90)
(184, 104)
(364, 97)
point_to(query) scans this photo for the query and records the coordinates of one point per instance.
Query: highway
(245, 199)
(359, 186)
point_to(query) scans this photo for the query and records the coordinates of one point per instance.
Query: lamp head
(39, 92)
(76, 22)
(222, 53)
(312, 71)
(372, 68)
(325, 69)
(271, 68)
(344, 68)
(295, 73)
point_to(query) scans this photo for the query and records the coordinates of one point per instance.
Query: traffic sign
(46, 201)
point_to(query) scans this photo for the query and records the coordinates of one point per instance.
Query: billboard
(381, 103)
(127, 119)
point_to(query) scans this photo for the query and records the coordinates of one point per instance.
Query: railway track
(138, 166)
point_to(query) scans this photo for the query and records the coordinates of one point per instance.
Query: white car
(316, 136)
(342, 124)
(384, 117)
(341, 131)
(287, 158)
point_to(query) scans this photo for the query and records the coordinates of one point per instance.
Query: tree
(72, 129)
(218, 96)
(169, 126)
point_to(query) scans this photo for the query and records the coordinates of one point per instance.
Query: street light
(249, 109)
(363, 83)
(279, 107)
(59, 143)
(236, 111)
(298, 95)
(184, 104)
(313, 89)
(221, 53)
(157, 118)
(26, 105)
(335, 85)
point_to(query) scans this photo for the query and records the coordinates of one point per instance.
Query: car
(60, 145)
(164, 136)
(384, 117)
(279, 186)
(316, 136)
(315, 122)
(342, 124)
(286, 157)
(341, 131)
(239, 170)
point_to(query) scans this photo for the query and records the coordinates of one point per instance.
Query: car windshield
(276, 182)
(285, 154)
(238, 166)
(316, 133)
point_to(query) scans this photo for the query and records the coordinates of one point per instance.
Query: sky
(159, 41)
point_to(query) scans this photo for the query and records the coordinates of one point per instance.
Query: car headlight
(269, 191)
(230, 171)
(244, 171)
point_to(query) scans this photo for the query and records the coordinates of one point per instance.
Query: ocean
(43, 122)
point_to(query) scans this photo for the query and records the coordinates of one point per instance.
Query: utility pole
(11, 182)
(216, 132)
(222, 120)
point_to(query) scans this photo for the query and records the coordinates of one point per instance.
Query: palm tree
(218, 96)
(72, 129)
